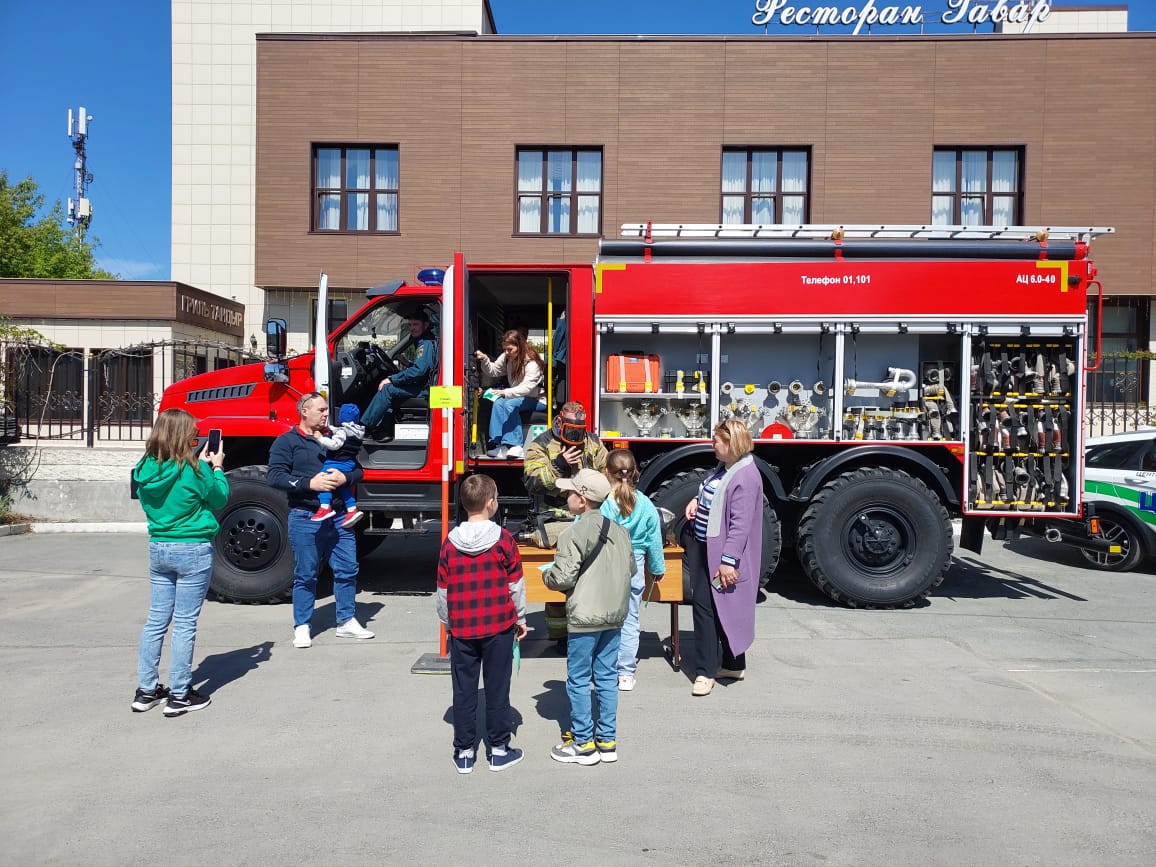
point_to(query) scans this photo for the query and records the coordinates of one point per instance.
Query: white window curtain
(530, 181)
(329, 212)
(530, 172)
(357, 169)
(328, 169)
(387, 212)
(942, 181)
(734, 172)
(385, 170)
(589, 181)
(794, 172)
(764, 165)
(529, 214)
(558, 172)
(1004, 172)
(974, 172)
(358, 211)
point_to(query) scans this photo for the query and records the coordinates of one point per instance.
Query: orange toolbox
(633, 373)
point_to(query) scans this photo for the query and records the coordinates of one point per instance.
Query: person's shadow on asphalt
(323, 616)
(219, 669)
(515, 716)
(554, 704)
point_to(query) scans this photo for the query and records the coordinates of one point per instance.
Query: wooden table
(668, 590)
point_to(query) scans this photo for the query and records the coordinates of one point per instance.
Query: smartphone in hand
(214, 440)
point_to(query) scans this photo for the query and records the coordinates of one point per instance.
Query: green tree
(43, 248)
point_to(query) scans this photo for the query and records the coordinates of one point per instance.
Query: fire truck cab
(892, 378)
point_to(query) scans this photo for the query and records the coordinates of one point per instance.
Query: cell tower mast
(79, 208)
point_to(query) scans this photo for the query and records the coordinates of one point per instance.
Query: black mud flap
(971, 534)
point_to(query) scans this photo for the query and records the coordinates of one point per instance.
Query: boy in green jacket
(593, 568)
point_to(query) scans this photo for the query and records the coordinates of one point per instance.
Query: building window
(766, 185)
(337, 314)
(355, 188)
(1122, 375)
(977, 186)
(559, 191)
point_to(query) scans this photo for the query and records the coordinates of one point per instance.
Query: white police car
(1120, 483)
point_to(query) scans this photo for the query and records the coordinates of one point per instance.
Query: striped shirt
(705, 495)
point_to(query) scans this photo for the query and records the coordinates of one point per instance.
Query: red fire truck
(892, 377)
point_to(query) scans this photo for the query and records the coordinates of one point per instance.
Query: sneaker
(515, 453)
(498, 453)
(607, 750)
(464, 761)
(301, 636)
(702, 685)
(352, 629)
(625, 682)
(190, 701)
(507, 758)
(731, 674)
(148, 699)
(573, 753)
(352, 516)
(323, 513)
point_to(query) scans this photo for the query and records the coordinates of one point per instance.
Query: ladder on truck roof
(828, 231)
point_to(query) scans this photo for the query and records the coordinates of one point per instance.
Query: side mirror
(276, 337)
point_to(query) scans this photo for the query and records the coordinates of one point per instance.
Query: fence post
(90, 399)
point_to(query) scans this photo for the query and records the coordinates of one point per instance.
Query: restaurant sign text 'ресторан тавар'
(869, 14)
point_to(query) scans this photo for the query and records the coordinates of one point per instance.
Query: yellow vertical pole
(549, 346)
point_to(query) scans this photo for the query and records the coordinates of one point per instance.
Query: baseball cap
(590, 484)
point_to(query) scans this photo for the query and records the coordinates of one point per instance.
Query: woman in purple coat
(724, 545)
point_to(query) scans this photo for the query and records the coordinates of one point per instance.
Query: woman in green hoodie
(178, 493)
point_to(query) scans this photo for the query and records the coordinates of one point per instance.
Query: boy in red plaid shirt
(482, 604)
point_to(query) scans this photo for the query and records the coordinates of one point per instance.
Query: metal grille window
(355, 188)
(1121, 377)
(977, 186)
(559, 191)
(766, 185)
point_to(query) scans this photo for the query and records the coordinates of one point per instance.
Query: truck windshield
(382, 326)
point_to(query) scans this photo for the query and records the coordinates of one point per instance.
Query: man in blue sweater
(295, 466)
(409, 382)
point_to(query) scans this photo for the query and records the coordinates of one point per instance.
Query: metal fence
(105, 395)
(1117, 399)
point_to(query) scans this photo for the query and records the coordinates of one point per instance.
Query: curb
(122, 527)
(15, 529)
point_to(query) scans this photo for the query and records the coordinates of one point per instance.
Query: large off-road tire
(678, 490)
(252, 560)
(1122, 531)
(875, 538)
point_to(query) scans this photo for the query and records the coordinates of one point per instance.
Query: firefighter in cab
(412, 381)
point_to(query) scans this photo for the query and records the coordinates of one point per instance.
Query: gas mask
(571, 431)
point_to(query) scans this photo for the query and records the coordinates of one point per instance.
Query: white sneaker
(301, 636)
(515, 453)
(352, 629)
(625, 682)
(497, 453)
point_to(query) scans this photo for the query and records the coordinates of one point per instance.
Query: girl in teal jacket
(635, 512)
(178, 493)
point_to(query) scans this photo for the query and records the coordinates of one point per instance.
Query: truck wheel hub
(252, 538)
(877, 540)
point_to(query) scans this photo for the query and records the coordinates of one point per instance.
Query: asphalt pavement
(1010, 720)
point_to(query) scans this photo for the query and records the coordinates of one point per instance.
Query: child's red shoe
(323, 513)
(352, 516)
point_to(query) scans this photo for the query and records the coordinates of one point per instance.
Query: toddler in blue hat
(344, 444)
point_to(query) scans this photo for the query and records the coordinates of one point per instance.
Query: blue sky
(113, 58)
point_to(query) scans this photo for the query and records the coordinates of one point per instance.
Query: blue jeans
(506, 419)
(344, 492)
(383, 401)
(313, 543)
(593, 656)
(628, 647)
(179, 579)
